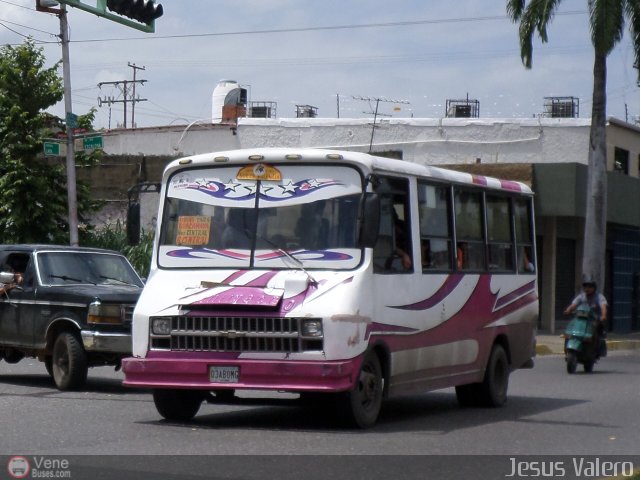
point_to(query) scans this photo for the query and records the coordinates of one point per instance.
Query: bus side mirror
(369, 219)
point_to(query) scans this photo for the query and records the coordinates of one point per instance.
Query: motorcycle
(582, 342)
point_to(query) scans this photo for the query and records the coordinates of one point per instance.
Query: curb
(544, 349)
(623, 344)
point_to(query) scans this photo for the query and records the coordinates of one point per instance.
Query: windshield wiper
(66, 278)
(118, 280)
(277, 248)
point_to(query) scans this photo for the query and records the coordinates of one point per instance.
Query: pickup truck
(69, 307)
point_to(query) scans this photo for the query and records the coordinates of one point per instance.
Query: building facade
(550, 154)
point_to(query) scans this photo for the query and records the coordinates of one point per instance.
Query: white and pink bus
(337, 275)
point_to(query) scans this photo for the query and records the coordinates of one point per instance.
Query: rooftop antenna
(375, 111)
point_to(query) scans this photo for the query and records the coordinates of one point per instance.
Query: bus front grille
(235, 334)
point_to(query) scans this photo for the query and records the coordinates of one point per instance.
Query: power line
(2, 20)
(123, 85)
(18, 5)
(441, 57)
(14, 31)
(406, 23)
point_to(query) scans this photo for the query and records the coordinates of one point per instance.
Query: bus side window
(524, 238)
(469, 230)
(499, 236)
(435, 231)
(393, 252)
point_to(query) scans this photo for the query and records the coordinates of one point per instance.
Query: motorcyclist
(598, 304)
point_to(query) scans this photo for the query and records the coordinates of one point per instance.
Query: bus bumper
(281, 375)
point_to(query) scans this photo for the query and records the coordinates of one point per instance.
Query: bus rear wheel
(365, 400)
(492, 391)
(178, 405)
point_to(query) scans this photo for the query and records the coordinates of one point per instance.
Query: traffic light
(144, 11)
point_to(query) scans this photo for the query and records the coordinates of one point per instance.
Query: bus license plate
(219, 374)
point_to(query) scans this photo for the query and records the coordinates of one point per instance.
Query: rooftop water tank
(229, 102)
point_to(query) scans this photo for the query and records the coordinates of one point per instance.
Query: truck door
(17, 304)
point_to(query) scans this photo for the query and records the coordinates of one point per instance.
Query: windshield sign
(262, 216)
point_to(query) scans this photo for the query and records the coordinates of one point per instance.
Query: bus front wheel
(178, 405)
(365, 400)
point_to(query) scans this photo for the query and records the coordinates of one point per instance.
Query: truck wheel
(69, 362)
(588, 367)
(178, 405)
(365, 400)
(48, 364)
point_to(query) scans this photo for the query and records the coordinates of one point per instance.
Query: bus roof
(367, 161)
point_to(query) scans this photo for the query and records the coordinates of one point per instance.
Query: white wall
(434, 141)
(178, 140)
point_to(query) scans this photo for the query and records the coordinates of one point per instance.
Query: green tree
(606, 20)
(33, 199)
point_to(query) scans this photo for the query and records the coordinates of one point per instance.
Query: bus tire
(177, 405)
(492, 391)
(225, 395)
(365, 400)
(468, 395)
(69, 362)
(12, 356)
(496, 379)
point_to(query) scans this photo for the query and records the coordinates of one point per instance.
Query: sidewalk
(553, 344)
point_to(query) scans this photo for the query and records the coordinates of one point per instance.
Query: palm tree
(607, 20)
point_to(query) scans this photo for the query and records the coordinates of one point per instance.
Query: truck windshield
(213, 219)
(69, 268)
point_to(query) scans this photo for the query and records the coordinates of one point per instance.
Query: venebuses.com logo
(18, 467)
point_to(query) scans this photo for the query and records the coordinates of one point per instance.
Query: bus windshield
(307, 218)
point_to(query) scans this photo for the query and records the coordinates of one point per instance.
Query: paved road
(548, 413)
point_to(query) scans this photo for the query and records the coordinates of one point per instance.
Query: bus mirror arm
(369, 219)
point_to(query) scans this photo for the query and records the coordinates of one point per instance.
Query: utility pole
(375, 112)
(124, 85)
(68, 110)
(133, 103)
(145, 14)
(70, 118)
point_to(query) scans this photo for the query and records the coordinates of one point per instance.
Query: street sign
(92, 143)
(71, 120)
(88, 144)
(54, 149)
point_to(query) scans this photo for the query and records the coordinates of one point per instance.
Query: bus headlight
(311, 327)
(99, 313)
(161, 326)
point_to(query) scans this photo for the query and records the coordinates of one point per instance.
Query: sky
(411, 54)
